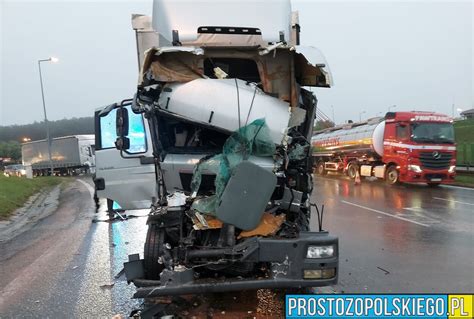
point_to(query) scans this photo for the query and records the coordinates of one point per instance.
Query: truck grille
(435, 160)
(430, 176)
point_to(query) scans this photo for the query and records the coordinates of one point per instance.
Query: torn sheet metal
(268, 226)
(172, 67)
(298, 116)
(176, 199)
(311, 67)
(205, 222)
(228, 104)
(188, 49)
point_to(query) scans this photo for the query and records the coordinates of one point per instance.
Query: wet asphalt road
(404, 238)
(66, 265)
(392, 239)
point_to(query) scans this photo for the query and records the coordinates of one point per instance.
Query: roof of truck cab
(419, 116)
(270, 17)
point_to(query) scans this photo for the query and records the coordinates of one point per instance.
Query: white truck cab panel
(126, 178)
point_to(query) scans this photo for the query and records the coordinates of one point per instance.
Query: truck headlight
(452, 169)
(320, 251)
(415, 168)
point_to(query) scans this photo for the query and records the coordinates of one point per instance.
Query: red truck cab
(419, 147)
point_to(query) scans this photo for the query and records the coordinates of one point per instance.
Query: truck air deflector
(270, 17)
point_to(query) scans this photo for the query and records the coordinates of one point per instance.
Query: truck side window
(402, 132)
(107, 130)
(136, 131)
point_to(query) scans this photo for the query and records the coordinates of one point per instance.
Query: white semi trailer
(69, 155)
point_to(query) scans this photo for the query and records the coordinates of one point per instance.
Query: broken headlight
(320, 252)
(319, 273)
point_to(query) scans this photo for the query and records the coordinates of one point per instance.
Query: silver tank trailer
(355, 138)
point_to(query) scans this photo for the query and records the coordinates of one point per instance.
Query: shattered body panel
(231, 128)
(214, 102)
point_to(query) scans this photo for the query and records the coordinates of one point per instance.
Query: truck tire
(320, 169)
(155, 239)
(392, 175)
(352, 170)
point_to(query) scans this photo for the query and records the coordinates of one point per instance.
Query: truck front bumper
(290, 267)
(429, 176)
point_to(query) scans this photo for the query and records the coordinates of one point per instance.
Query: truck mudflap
(290, 267)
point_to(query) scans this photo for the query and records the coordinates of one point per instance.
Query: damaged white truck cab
(230, 126)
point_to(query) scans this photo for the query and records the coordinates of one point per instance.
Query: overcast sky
(415, 55)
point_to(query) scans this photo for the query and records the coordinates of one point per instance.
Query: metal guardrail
(465, 169)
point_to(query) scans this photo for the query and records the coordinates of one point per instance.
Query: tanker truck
(407, 147)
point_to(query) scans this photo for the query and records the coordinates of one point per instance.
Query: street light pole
(48, 136)
(360, 116)
(333, 119)
(391, 107)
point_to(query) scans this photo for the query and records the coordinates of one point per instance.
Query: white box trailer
(69, 154)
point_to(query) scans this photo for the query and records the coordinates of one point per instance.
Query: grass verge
(464, 180)
(15, 191)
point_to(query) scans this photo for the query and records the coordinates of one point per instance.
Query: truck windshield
(432, 133)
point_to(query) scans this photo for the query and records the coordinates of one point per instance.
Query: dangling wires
(320, 215)
(251, 105)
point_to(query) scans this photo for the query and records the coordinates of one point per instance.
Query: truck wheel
(352, 170)
(320, 169)
(392, 175)
(155, 239)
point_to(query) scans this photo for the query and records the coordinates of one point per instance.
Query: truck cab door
(128, 179)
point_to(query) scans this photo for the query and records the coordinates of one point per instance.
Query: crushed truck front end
(231, 127)
(311, 260)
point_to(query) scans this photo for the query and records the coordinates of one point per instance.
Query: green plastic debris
(252, 139)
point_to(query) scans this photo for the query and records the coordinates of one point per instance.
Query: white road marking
(413, 209)
(453, 201)
(89, 187)
(458, 187)
(386, 214)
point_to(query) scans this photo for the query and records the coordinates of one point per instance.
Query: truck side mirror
(121, 122)
(121, 126)
(122, 143)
